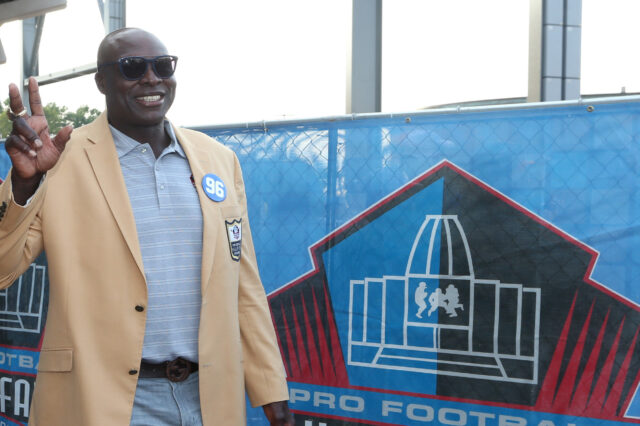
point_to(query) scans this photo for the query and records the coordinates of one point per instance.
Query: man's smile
(150, 100)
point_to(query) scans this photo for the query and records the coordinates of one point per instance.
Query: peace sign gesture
(30, 147)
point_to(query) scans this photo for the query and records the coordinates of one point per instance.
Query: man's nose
(150, 76)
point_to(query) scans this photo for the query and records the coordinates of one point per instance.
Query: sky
(251, 60)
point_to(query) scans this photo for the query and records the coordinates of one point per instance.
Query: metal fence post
(554, 50)
(332, 179)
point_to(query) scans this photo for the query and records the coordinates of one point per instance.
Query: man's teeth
(149, 98)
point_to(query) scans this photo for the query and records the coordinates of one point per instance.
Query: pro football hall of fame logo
(449, 303)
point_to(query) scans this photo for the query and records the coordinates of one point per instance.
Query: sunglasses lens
(133, 68)
(165, 66)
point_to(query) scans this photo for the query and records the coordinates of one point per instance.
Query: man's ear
(99, 78)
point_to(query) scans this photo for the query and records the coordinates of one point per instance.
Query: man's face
(141, 102)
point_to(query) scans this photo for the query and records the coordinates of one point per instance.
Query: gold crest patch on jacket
(234, 234)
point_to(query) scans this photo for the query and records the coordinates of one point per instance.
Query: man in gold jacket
(67, 195)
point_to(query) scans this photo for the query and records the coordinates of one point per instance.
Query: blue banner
(454, 263)
(470, 268)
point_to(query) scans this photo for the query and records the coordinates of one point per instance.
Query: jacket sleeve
(265, 378)
(20, 232)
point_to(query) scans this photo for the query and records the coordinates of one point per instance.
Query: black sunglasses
(135, 67)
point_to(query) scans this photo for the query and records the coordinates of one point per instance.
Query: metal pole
(364, 61)
(31, 35)
(113, 14)
(554, 50)
(535, 51)
(407, 115)
(332, 179)
(106, 15)
(572, 45)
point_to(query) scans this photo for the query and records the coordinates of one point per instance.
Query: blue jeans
(160, 402)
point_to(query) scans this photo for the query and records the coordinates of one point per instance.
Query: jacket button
(139, 308)
(133, 372)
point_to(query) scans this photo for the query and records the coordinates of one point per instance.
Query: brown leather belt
(176, 370)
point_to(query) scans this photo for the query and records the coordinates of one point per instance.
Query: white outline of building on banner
(24, 291)
(424, 359)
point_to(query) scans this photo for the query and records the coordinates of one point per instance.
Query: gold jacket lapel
(201, 163)
(103, 157)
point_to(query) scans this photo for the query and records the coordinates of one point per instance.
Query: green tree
(81, 116)
(57, 116)
(5, 124)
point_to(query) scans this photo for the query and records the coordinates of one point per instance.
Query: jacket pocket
(231, 212)
(55, 360)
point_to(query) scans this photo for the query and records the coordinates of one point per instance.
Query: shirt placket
(145, 154)
(162, 184)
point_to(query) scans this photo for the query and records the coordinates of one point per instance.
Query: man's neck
(155, 136)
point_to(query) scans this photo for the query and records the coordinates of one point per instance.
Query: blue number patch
(214, 187)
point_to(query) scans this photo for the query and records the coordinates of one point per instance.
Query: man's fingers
(34, 98)
(62, 137)
(21, 128)
(15, 142)
(15, 101)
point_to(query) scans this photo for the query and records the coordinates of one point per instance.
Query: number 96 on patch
(214, 187)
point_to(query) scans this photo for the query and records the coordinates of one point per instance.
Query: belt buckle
(178, 370)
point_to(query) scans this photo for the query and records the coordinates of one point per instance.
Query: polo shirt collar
(125, 144)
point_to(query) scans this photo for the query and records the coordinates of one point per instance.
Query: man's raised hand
(31, 149)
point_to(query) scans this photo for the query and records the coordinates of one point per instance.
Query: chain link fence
(547, 200)
(539, 204)
(574, 168)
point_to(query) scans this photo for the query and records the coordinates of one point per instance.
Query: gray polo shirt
(168, 219)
